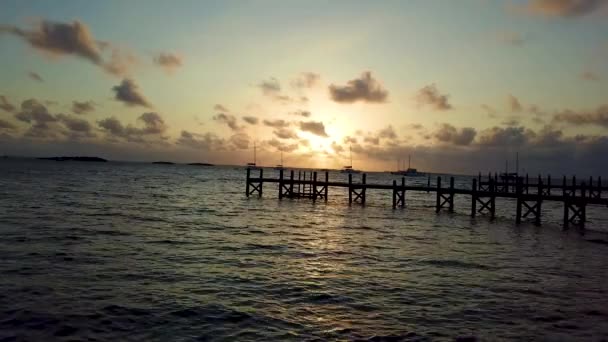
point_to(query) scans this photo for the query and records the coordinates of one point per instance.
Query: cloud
(282, 146)
(5, 105)
(285, 133)
(337, 147)
(240, 141)
(490, 111)
(36, 113)
(511, 38)
(590, 76)
(305, 80)
(168, 61)
(508, 136)
(364, 89)
(6, 125)
(452, 135)
(59, 39)
(205, 142)
(514, 104)
(349, 140)
(76, 126)
(220, 108)
(314, 127)
(387, 133)
(302, 113)
(229, 120)
(128, 93)
(598, 117)
(276, 123)
(270, 87)
(563, 8)
(83, 107)
(372, 140)
(429, 95)
(153, 126)
(35, 76)
(252, 120)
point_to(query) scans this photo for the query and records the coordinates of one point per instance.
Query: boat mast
(350, 149)
(409, 161)
(517, 163)
(254, 156)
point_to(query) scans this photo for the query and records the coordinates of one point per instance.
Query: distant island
(83, 159)
(163, 162)
(201, 164)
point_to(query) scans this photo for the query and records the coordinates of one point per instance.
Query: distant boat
(201, 164)
(409, 172)
(253, 165)
(349, 168)
(280, 166)
(82, 159)
(511, 176)
(163, 163)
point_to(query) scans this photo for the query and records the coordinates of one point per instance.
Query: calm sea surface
(129, 251)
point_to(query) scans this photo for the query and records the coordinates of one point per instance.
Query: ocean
(136, 251)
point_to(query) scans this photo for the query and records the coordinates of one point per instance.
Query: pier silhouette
(529, 194)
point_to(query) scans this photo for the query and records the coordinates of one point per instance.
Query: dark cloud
(349, 140)
(83, 107)
(508, 136)
(35, 76)
(416, 126)
(44, 124)
(372, 140)
(305, 80)
(168, 61)
(598, 117)
(73, 39)
(5, 105)
(276, 123)
(337, 147)
(77, 127)
(564, 8)
(35, 113)
(364, 89)
(285, 133)
(204, 142)
(302, 113)
(513, 104)
(128, 93)
(456, 136)
(590, 76)
(6, 125)
(227, 119)
(314, 127)
(60, 39)
(252, 120)
(153, 126)
(430, 96)
(387, 133)
(284, 147)
(513, 120)
(270, 87)
(240, 141)
(220, 108)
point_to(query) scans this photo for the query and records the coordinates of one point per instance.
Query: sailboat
(410, 172)
(511, 175)
(280, 166)
(349, 168)
(253, 165)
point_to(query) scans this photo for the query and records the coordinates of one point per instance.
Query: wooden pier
(528, 193)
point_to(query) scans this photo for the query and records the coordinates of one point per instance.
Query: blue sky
(479, 55)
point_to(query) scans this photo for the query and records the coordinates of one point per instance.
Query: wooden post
(281, 184)
(518, 194)
(493, 200)
(248, 181)
(394, 194)
(363, 188)
(261, 181)
(474, 198)
(326, 184)
(539, 201)
(583, 206)
(527, 184)
(402, 192)
(350, 188)
(291, 184)
(314, 186)
(574, 186)
(451, 208)
(428, 183)
(438, 204)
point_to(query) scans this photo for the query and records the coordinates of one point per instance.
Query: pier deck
(483, 192)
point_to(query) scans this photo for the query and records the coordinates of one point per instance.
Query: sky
(461, 86)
